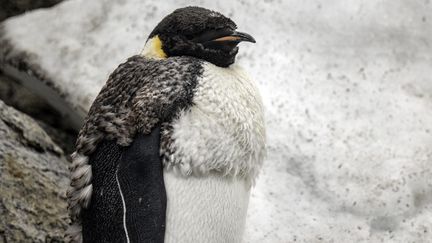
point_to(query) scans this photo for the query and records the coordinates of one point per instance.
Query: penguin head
(196, 32)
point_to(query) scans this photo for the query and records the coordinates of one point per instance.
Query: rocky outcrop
(33, 180)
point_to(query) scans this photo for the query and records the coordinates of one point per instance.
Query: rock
(33, 180)
(13, 7)
(65, 139)
(347, 90)
(16, 95)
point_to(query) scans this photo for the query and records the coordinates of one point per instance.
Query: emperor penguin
(172, 144)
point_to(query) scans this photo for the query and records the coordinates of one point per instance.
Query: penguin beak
(219, 36)
(237, 37)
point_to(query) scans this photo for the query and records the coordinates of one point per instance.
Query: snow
(347, 88)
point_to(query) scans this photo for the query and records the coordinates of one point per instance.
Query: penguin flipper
(129, 199)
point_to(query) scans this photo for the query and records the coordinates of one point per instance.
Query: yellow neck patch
(153, 48)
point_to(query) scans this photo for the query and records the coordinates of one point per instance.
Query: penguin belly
(217, 148)
(205, 209)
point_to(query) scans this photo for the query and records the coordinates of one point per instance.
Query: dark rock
(64, 138)
(10, 8)
(16, 95)
(21, 98)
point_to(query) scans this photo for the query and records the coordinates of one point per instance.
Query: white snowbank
(347, 87)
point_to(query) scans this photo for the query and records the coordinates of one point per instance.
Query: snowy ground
(348, 93)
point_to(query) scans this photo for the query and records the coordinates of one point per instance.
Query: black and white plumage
(173, 141)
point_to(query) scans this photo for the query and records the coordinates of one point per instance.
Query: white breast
(219, 146)
(224, 129)
(205, 209)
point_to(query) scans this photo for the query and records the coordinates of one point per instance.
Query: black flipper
(138, 170)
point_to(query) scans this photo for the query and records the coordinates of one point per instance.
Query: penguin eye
(210, 35)
(193, 36)
(189, 36)
(225, 46)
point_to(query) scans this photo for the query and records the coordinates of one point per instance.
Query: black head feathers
(190, 21)
(200, 33)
